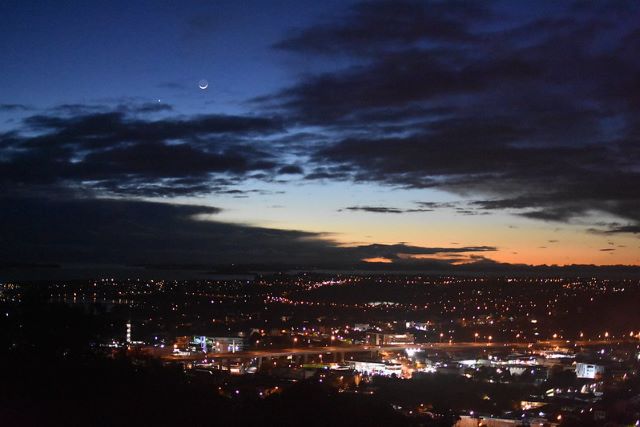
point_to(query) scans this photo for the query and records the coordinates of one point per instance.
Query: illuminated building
(377, 368)
(588, 370)
(390, 339)
(218, 344)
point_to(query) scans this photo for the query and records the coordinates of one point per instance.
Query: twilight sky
(438, 135)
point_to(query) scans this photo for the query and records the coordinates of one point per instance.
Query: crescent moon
(203, 84)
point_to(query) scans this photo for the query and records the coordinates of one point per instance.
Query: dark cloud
(394, 80)
(148, 107)
(374, 209)
(437, 205)
(329, 173)
(378, 25)
(635, 229)
(384, 209)
(127, 232)
(119, 151)
(536, 114)
(14, 107)
(123, 105)
(551, 214)
(291, 170)
(83, 236)
(393, 252)
(469, 212)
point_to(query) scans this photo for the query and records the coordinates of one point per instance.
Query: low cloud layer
(127, 232)
(44, 236)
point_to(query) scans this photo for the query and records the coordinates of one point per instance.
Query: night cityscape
(337, 213)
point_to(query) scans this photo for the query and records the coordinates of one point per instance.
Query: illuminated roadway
(301, 351)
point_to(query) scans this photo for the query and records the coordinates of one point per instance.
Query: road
(445, 346)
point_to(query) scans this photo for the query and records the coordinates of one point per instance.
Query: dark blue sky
(424, 134)
(77, 51)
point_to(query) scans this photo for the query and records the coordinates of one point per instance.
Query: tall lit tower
(129, 332)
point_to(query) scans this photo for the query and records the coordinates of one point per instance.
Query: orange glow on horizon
(378, 259)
